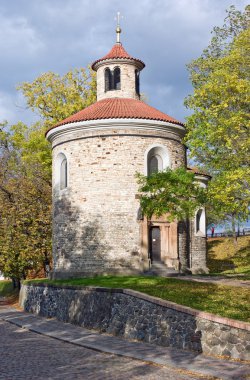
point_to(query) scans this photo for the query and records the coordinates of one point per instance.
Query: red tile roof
(119, 108)
(117, 52)
(198, 171)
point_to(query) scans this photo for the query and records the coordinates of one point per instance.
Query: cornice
(141, 125)
(129, 61)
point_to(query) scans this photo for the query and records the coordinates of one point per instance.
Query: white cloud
(38, 36)
(13, 108)
(6, 107)
(18, 40)
(163, 90)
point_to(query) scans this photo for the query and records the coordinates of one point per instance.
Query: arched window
(108, 80)
(157, 159)
(137, 82)
(200, 222)
(63, 174)
(155, 164)
(117, 78)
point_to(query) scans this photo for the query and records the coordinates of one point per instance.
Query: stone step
(160, 269)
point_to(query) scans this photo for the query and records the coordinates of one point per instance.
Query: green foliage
(218, 135)
(229, 195)
(172, 192)
(218, 130)
(25, 170)
(56, 97)
(25, 223)
(6, 288)
(201, 296)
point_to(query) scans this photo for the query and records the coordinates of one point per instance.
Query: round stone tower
(97, 224)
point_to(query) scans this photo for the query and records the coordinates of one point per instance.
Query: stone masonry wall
(134, 315)
(127, 81)
(198, 250)
(95, 226)
(183, 247)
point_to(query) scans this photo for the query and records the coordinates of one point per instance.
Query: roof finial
(118, 29)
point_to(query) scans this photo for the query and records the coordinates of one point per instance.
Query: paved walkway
(25, 355)
(219, 280)
(162, 358)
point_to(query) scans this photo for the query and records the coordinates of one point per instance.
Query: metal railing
(244, 232)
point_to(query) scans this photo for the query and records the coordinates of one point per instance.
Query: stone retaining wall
(133, 315)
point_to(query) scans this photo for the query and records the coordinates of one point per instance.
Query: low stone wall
(133, 315)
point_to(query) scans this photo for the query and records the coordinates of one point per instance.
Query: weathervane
(118, 29)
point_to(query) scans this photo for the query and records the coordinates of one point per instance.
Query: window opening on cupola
(117, 78)
(63, 174)
(137, 82)
(108, 80)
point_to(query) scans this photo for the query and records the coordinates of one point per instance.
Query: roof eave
(100, 62)
(152, 123)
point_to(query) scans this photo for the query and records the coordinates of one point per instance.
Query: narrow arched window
(117, 78)
(198, 220)
(155, 164)
(108, 80)
(137, 82)
(63, 174)
(156, 160)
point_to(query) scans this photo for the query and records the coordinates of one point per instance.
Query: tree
(218, 132)
(25, 221)
(171, 192)
(25, 170)
(229, 197)
(54, 97)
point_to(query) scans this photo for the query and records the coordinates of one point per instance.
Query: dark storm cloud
(43, 35)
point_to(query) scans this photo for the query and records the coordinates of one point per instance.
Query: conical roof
(118, 108)
(117, 52)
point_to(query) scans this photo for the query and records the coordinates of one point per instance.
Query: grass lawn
(226, 301)
(6, 289)
(226, 258)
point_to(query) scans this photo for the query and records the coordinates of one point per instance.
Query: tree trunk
(184, 246)
(234, 230)
(16, 283)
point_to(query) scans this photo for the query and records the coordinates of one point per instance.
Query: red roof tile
(198, 171)
(117, 52)
(118, 108)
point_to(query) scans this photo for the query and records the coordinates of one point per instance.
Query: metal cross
(118, 18)
(118, 29)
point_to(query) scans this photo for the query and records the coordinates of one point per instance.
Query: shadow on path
(164, 356)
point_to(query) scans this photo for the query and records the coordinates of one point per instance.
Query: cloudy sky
(37, 36)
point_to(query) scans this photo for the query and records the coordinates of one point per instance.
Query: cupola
(118, 73)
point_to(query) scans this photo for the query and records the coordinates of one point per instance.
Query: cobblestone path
(27, 355)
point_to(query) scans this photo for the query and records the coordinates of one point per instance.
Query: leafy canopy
(172, 192)
(25, 170)
(54, 97)
(218, 129)
(25, 201)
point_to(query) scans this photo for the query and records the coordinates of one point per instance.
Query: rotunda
(97, 224)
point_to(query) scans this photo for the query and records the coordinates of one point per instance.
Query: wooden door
(155, 242)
